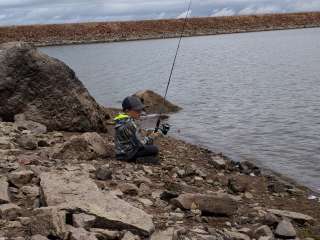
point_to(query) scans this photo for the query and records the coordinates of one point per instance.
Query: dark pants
(147, 151)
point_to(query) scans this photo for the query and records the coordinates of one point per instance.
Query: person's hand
(155, 135)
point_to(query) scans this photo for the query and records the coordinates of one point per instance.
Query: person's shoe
(152, 160)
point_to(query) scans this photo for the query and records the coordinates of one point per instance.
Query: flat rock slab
(74, 191)
(215, 204)
(292, 215)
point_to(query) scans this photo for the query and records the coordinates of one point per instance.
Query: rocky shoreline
(80, 33)
(63, 182)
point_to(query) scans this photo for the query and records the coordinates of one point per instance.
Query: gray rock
(45, 90)
(32, 192)
(215, 204)
(146, 202)
(20, 178)
(163, 235)
(38, 237)
(154, 102)
(27, 142)
(48, 221)
(87, 146)
(292, 215)
(74, 191)
(130, 236)
(129, 188)
(104, 173)
(9, 211)
(4, 185)
(271, 219)
(80, 234)
(236, 235)
(285, 229)
(5, 143)
(83, 220)
(33, 127)
(263, 231)
(218, 162)
(106, 234)
(13, 229)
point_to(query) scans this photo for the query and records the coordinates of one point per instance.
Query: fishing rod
(166, 127)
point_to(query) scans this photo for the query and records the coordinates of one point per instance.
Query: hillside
(57, 34)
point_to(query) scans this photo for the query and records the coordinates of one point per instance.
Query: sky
(21, 12)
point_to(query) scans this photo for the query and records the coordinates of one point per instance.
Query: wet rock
(129, 188)
(248, 168)
(106, 234)
(263, 231)
(83, 220)
(299, 217)
(20, 178)
(9, 211)
(75, 191)
(154, 102)
(38, 237)
(213, 204)
(79, 234)
(218, 162)
(48, 221)
(4, 185)
(45, 90)
(87, 146)
(163, 235)
(130, 236)
(285, 230)
(104, 173)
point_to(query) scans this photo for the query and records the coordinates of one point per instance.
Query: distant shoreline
(82, 33)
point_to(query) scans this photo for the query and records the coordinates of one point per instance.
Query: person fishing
(129, 144)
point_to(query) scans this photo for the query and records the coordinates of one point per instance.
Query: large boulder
(46, 91)
(155, 103)
(75, 192)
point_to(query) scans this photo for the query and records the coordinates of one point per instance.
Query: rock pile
(44, 195)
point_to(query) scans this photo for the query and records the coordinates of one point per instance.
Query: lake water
(252, 96)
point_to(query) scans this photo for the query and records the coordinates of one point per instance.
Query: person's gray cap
(132, 103)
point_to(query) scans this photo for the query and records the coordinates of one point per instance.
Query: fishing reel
(164, 128)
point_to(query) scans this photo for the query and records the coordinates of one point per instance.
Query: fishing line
(174, 63)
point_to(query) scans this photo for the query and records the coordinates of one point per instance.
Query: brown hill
(57, 34)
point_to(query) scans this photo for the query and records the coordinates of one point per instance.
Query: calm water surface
(253, 96)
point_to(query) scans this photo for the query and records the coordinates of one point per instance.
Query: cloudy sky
(17, 12)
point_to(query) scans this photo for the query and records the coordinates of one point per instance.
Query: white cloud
(223, 12)
(59, 11)
(161, 15)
